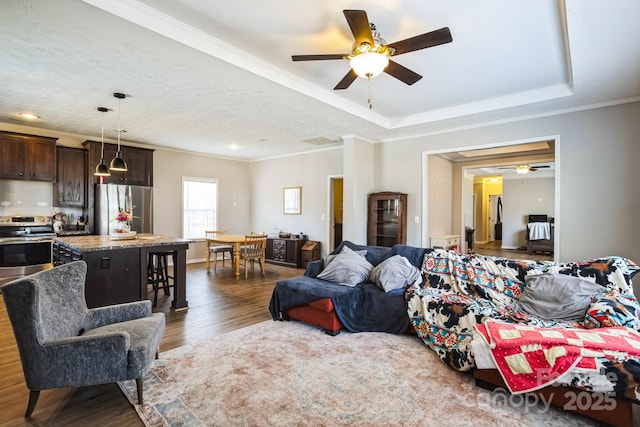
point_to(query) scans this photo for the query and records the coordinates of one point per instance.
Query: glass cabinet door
(387, 218)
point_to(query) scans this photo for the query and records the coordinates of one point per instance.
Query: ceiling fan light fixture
(522, 169)
(369, 64)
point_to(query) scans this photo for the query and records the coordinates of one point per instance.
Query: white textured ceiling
(216, 77)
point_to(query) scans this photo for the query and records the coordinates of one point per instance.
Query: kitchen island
(117, 269)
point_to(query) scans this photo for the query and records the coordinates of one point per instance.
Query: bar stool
(158, 273)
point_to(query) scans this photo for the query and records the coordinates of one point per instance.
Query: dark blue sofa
(362, 308)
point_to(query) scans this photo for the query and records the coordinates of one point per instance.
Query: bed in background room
(539, 233)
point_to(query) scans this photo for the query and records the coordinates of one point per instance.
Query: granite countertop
(105, 242)
(72, 233)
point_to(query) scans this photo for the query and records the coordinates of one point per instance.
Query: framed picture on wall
(292, 200)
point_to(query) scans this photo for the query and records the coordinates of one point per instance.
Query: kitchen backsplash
(32, 198)
(25, 198)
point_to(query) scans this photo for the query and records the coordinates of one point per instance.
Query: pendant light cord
(119, 130)
(102, 139)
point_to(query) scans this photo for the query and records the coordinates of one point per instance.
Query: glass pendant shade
(369, 64)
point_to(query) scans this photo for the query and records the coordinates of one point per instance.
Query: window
(199, 206)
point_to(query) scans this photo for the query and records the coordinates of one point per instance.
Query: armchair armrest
(79, 361)
(101, 316)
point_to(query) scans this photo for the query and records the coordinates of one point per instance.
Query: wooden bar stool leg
(153, 277)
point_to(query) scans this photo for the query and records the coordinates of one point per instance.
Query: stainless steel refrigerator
(110, 198)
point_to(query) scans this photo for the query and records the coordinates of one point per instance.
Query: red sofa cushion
(319, 313)
(322, 304)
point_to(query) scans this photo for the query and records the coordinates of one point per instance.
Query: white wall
(309, 171)
(521, 197)
(398, 167)
(233, 193)
(440, 190)
(597, 174)
(359, 182)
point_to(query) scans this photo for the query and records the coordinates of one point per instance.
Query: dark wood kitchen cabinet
(284, 252)
(71, 177)
(27, 157)
(112, 275)
(139, 164)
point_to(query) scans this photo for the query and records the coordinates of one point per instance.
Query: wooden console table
(284, 252)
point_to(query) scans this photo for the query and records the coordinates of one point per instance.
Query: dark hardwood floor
(494, 248)
(217, 304)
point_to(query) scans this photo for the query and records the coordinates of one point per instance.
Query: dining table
(236, 240)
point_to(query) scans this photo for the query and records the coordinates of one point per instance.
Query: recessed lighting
(233, 146)
(29, 116)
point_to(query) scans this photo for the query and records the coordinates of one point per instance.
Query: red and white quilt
(530, 357)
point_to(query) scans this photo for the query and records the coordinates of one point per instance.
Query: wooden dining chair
(216, 248)
(254, 250)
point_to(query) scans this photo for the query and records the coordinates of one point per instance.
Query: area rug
(291, 374)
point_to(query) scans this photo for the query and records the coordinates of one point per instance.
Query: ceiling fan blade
(433, 38)
(319, 57)
(346, 81)
(402, 73)
(359, 24)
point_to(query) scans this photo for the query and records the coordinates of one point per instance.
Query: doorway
(336, 194)
(494, 225)
(484, 162)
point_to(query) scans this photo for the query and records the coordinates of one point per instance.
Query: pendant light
(118, 163)
(102, 169)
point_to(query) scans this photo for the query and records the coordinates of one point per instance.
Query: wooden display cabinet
(387, 219)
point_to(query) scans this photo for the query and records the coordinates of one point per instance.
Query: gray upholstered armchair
(64, 344)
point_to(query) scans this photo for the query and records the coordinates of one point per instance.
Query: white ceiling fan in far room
(524, 168)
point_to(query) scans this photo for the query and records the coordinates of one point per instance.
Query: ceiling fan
(370, 54)
(524, 168)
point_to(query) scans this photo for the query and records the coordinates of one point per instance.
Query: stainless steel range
(25, 245)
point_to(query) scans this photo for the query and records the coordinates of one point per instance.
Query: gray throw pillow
(394, 273)
(346, 268)
(557, 296)
(327, 259)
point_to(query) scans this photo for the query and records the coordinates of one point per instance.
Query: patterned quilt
(460, 291)
(530, 357)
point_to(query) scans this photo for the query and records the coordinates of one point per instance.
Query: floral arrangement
(122, 218)
(123, 215)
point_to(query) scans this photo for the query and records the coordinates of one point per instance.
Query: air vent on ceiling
(320, 140)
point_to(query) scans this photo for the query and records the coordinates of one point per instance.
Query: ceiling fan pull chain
(369, 92)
